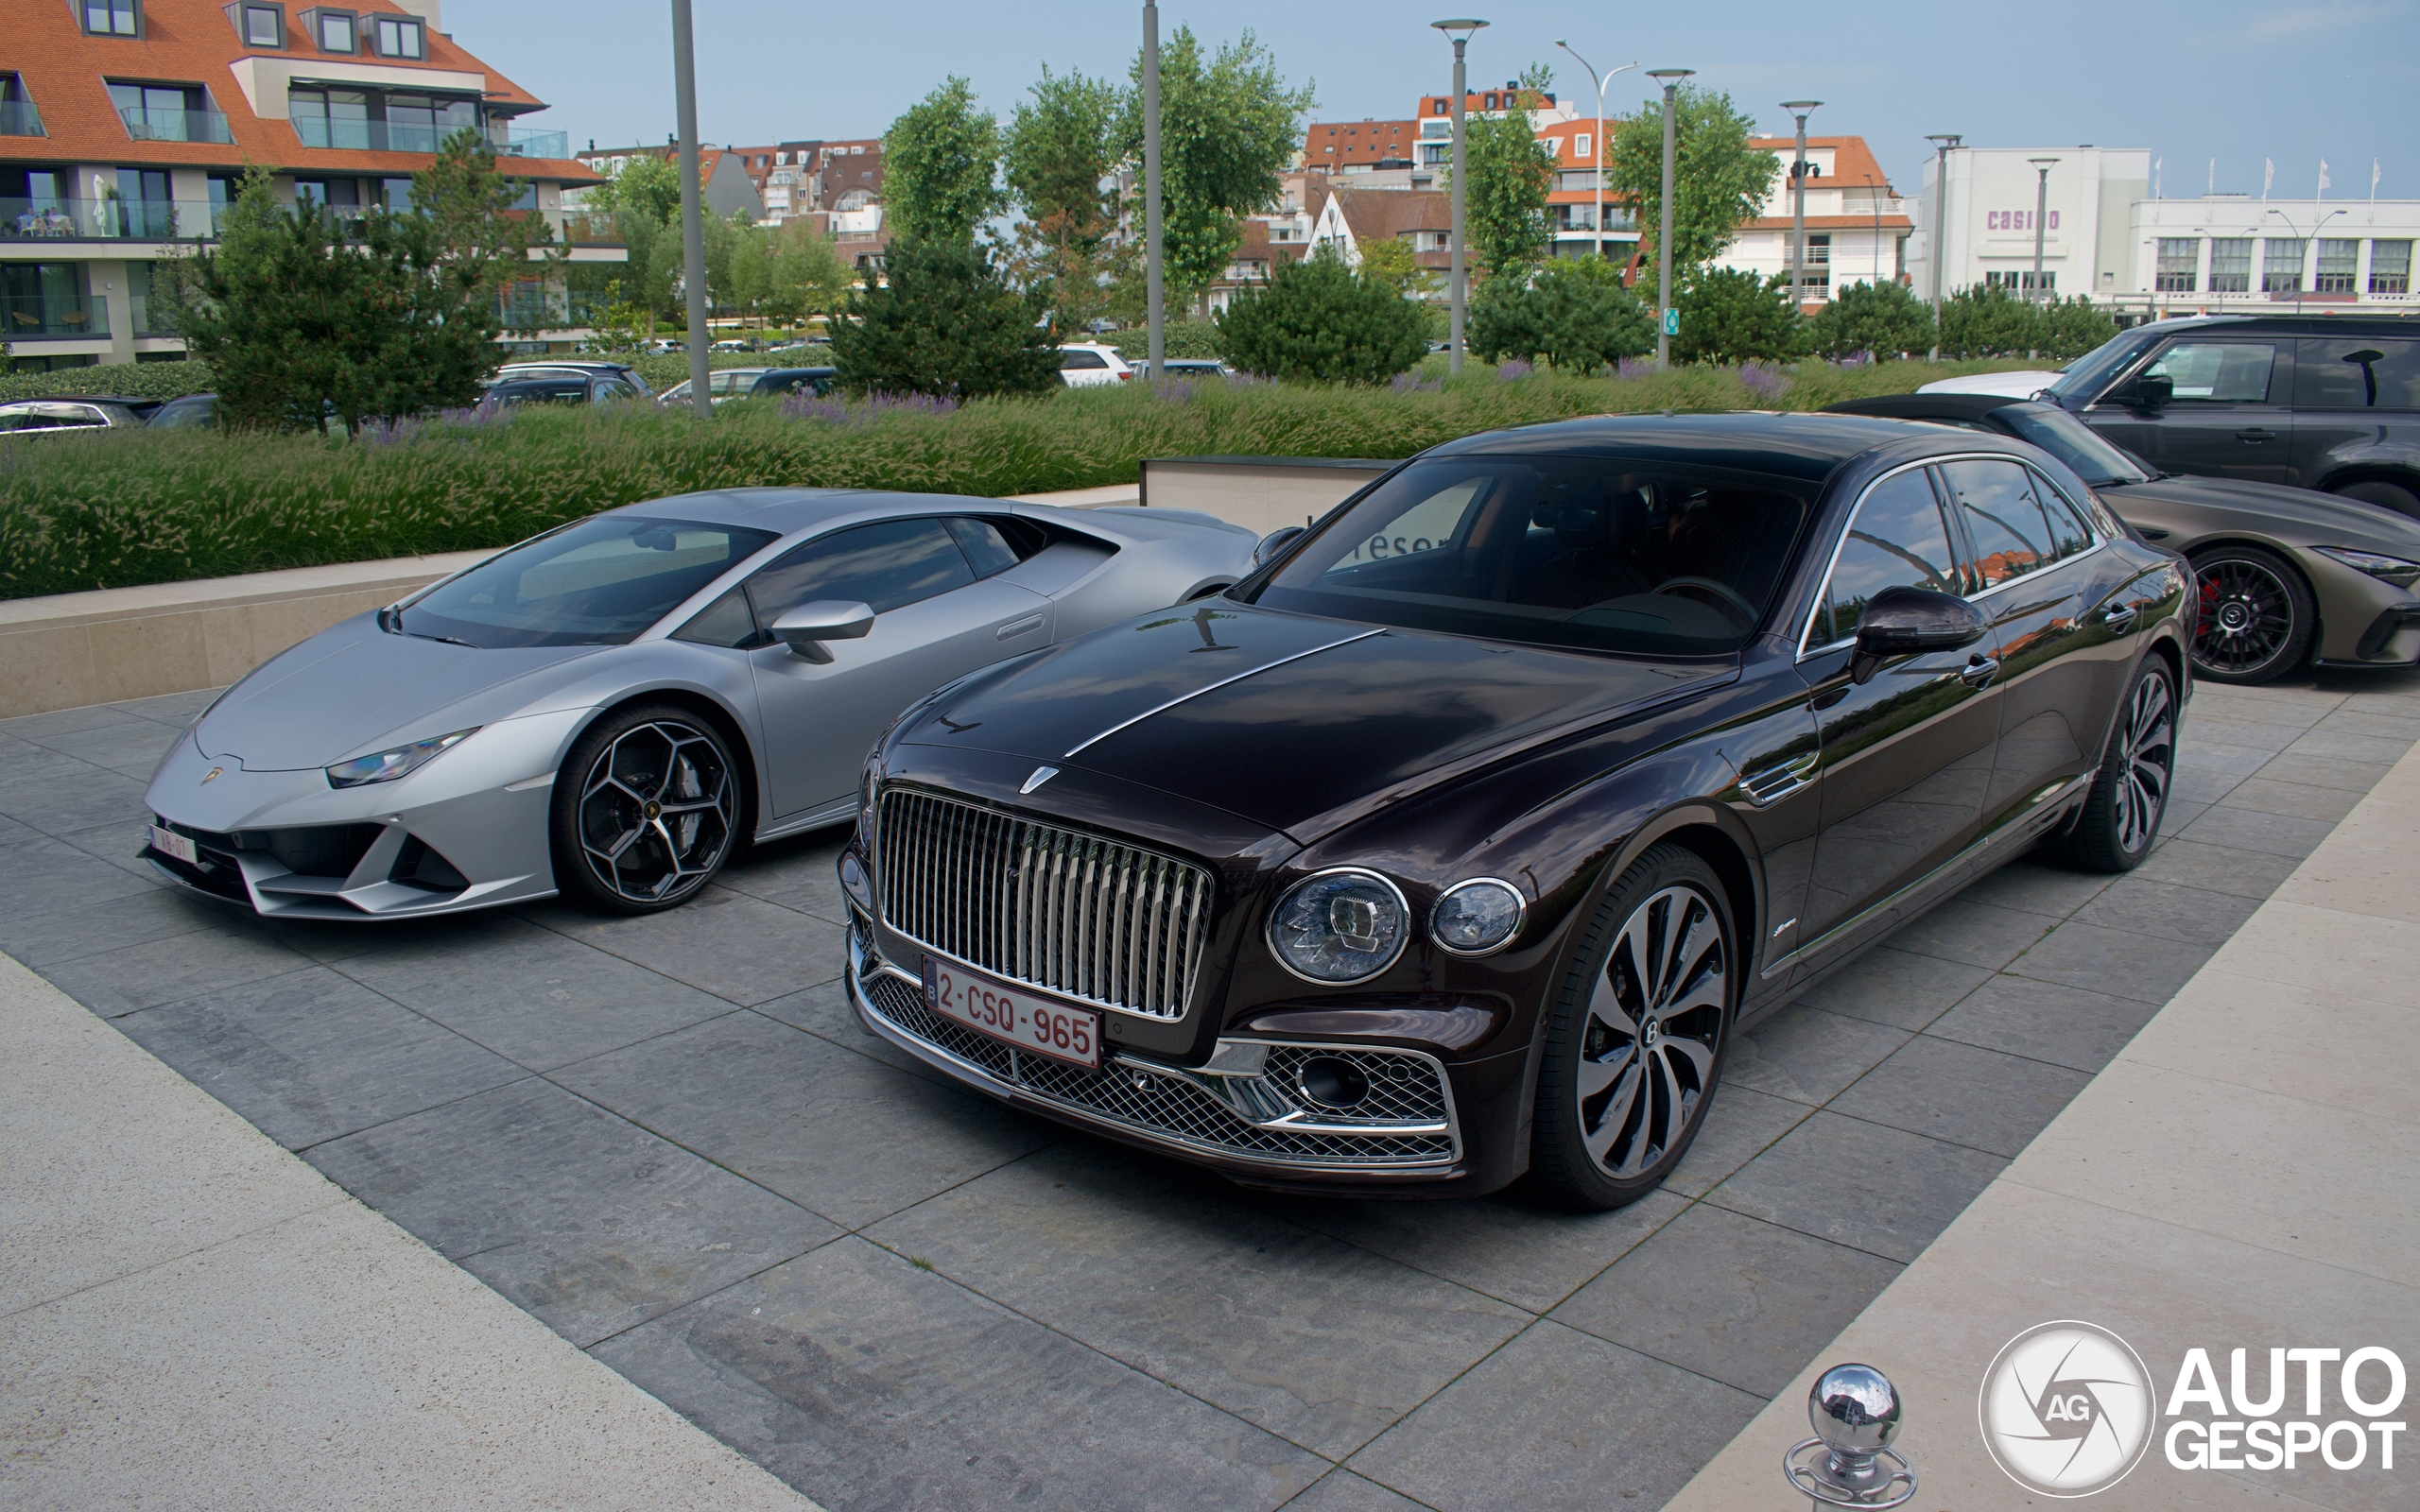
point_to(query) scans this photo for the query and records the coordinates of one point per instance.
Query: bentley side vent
(1773, 783)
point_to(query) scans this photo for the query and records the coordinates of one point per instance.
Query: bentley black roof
(1807, 446)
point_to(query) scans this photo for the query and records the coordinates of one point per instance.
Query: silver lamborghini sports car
(604, 710)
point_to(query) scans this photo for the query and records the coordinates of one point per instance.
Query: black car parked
(597, 382)
(1457, 842)
(2330, 402)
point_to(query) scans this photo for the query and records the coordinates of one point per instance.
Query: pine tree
(943, 323)
(1882, 319)
(1318, 319)
(1573, 312)
(1728, 315)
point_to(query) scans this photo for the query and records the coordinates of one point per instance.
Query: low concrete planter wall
(73, 649)
(1261, 493)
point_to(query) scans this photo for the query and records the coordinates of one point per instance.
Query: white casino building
(2105, 234)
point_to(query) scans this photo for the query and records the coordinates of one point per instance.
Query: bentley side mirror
(1908, 621)
(805, 628)
(2154, 390)
(1273, 542)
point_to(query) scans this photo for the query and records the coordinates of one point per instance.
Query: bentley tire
(2256, 616)
(644, 810)
(2130, 792)
(1636, 1038)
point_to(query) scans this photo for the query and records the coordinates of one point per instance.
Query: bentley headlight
(386, 766)
(1476, 916)
(2390, 569)
(1339, 927)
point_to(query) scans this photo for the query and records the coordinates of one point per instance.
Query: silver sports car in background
(604, 710)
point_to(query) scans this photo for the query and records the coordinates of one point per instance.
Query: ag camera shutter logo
(2066, 1409)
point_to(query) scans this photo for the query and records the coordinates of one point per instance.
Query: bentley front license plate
(1023, 1018)
(169, 842)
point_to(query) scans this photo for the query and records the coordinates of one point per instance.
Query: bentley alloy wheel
(1636, 1047)
(2256, 617)
(2129, 794)
(653, 817)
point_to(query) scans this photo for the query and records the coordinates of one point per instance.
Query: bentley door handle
(1979, 672)
(2255, 435)
(2119, 617)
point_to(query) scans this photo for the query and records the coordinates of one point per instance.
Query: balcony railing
(366, 136)
(176, 126)
(512, 142)
(38, 316)
(593, 227)
(20, 118)
(55, 219)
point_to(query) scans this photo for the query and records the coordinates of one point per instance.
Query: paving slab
(1884, 1191)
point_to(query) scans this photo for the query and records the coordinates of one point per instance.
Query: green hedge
(140, 506)
(139, 380)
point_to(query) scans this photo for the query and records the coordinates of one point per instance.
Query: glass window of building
(400, 37)
(2180, 263)
(2391, 268)
(2231, 264)
(2281, 264)
(112, 17)
(2340, 266)
(334, 31)
(263, 26)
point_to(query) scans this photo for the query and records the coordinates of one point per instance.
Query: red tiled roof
(1359, 142)
(192, 42)
(1865, 222)
(1853, 162)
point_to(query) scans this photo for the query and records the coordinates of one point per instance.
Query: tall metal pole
(693, 225)
(1672, 79)
(1156, 318)
(2041, 209)
(1457, 289)
(1943, 142)
(1798, 204)
(1599, 238)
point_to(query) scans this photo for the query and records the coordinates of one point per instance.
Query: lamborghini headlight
(2389, 569)
(386, 766)
(1339, 927)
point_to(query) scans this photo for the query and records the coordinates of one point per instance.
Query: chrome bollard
(1856, 1413)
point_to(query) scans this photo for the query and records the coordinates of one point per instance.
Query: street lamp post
(1599, 223)
(1460, 277)
(1671, 78)
(1943, 142)
(2308, 242)
(1800, 109)
(693, 225)
(1154, 317)
(2041, 215)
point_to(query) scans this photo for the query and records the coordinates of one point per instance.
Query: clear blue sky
(2233, 79)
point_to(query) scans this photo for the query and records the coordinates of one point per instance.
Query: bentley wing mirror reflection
(805, 628)
(1908, 621)
(1273, 542)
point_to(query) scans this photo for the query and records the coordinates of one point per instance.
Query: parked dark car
(192, 412)
(2284, 574)
(72, 412)
(570, 388)
(2330, 402)
(1456, 843)
(757, 383)
(599, 381)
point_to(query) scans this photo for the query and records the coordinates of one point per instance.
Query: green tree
(1391, 260)
(471, 210)
(2072, 327)
(1883, 318)
(1059, 155)
(649, 186)
(1573, 312)
(940, 168)
(1718, 181)
(302, 314)
(1318, 318)
(1228, 127)
(808, 277)
(1986, 321)
(1510, 225)
(1728, 315)
(943, 323)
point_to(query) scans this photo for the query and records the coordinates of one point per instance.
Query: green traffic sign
(1671, 323)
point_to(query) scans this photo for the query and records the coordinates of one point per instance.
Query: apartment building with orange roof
(126, 126)
(1857, 225)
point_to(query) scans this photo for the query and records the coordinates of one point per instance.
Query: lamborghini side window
(887, 565)
(724, 622)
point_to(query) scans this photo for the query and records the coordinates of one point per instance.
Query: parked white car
(2010, 384)
(1091, 365)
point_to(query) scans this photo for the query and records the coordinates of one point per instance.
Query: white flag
(2374, 178)
(2268, 176)
(2323, 176)
(2156, 164)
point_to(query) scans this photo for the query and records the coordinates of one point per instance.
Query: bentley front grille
(1096, 919)
(1406, 1120)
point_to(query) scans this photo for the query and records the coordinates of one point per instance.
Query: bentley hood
(1293, 722)
(354, 683)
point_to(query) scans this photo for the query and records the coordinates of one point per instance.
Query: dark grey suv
(2319, 401)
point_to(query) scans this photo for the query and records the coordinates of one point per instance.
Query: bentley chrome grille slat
(1096, 919)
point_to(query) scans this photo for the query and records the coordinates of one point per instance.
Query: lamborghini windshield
(600, 582)
(1592, 553)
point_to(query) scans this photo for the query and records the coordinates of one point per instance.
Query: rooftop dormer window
(112, 18)
(400, 37)
(332, 31)
(259, 25)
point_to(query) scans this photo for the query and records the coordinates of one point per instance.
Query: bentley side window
(887, 565)
(2014, 528)
(1895, 540)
